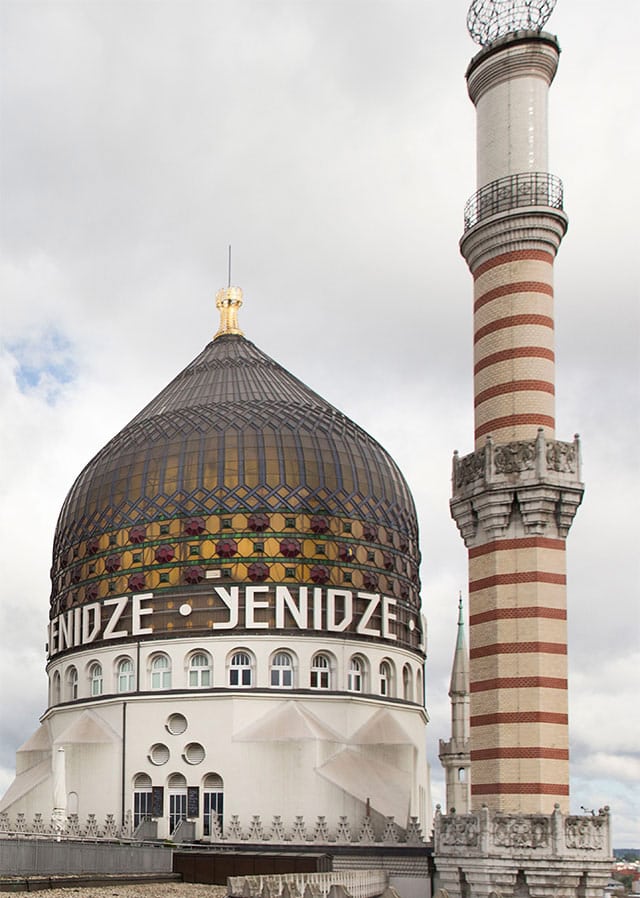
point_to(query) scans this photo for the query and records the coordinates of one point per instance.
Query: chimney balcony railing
(513, 192)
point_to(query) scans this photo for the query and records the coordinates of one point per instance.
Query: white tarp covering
(290, 722)
(388, 788)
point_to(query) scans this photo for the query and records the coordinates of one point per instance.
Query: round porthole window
(159, 754)
(194, 753)
(176, 724)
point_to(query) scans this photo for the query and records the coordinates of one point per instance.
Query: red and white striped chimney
(515, 496)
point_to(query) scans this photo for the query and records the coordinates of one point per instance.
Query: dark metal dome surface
(234, 431)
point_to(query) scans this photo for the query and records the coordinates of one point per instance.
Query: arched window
(407, 683)
(385, 678)
(419, 687)
(72, 683)
(240, 673)
(212, 803)
(124, 675)
(160, 672)
(55, 688)
(355, 676)
(320, 672)
(95, 679)
(177, 787)
(199, 671)
(141, 799)
(282, 670)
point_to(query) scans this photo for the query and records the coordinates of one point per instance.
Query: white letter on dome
(137, 612)
(250, 606)
(65, 627)
(230, 599)
(77, 627)
(374, 600)
(298, 612)
(332, 595)
(110, 631)
(387, 617)
(88, 635)
(317, 608)
(53, 637)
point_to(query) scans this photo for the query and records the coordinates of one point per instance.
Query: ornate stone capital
(539, 478)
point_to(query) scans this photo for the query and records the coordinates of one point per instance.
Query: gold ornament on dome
(228, 301)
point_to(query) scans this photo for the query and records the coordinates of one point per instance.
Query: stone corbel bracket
(531, 485)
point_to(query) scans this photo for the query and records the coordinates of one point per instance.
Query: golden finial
(228, 301)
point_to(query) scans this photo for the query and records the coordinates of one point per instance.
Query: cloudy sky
(331, 142)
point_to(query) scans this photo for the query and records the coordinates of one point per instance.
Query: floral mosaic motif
(91, 593)
(319, 524)
(562, 457)
(194, 526)
(76, 575)
(137, 534)
(514, 457)
(226, 548)
(586, 833)
(258, 522)
(369, 531)
(136, 582)
(369, 580)
(165, 553)
(469, 468)
(113, 563)
(319, 573)
(387, 561)
(258, 571)
(194, 574)
(345, 552)
(93, 546)
(517, 832)
(403, 544)
(290, 547)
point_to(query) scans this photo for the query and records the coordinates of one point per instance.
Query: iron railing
(524, 189)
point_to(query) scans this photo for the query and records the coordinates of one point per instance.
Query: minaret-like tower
(515, 496)
(454, 754)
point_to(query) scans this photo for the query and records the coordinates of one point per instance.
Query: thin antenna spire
(229, 268)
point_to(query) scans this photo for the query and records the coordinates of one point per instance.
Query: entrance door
(212, 803)
(141, 799)
(177, 801)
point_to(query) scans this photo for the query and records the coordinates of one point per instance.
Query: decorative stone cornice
(522, 228)
(494, 833)
(541, 477)
(343, 831)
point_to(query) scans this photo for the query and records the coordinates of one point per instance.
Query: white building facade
(235, 627)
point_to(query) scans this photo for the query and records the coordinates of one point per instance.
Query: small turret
(454, 753)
